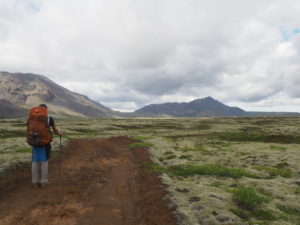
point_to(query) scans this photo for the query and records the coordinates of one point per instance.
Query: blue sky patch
(33, 8)
(289, 34)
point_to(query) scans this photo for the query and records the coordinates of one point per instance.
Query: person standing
(39, 136)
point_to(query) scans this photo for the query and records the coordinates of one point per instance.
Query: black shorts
(48, 151)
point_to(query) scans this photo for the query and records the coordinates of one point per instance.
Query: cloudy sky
(130, 53)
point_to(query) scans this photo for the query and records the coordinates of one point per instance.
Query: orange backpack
(38, 127)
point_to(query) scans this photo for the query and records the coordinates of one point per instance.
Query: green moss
(237, 136)
(248, 198)
(201, 126)
(297, 190)
(258, 214)
(24, 150)
(277, 147)
(289, 210)
(168, 152)
(273, 171)
(240, 213)
(263, 215)
(154, 167)
(188, 157)
(161, 159)
(217, 184)
(139, 138)
(171, 157)
(200, 149)
(140, 144)
(220, 144)
(240, 136)
(208, 169)
(4, 133)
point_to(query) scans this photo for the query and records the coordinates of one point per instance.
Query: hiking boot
(44, 185)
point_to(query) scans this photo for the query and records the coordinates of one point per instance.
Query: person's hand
(60, 133)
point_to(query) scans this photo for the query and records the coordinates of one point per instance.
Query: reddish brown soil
(102, 182)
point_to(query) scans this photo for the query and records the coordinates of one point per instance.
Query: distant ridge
(207, 107)
(26, 90)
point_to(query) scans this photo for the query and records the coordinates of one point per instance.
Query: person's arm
(59, 133)
(54, 128)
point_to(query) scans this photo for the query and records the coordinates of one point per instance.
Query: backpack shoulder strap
(48, 121)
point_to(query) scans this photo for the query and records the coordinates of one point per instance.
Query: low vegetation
(208, 169)
(242, 171)
(248, 198)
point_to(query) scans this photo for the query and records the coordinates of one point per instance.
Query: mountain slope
(28, 90)
(9, 110)
(199, 107)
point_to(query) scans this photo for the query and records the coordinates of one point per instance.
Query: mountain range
(21, 91)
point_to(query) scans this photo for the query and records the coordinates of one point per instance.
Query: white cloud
(128, 53)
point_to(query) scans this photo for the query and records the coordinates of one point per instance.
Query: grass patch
(193, 149)
(263, 215)
(139, 138)
(248, 198)
(251, 129)
(259, 214)
(217, 184)
(240, 136)
(188, 157)
(297, 190)
(220, 144)
(154, 167)
(12, 133)
(149, 126)
(161, 159)
(172, 156)
(140, 144)
(240, 213)
(168, 152)
(209, 169)
(257, 137)
(289, 210)
(275, 171)
(24, 150)
(277, 147)
(197, 149)
(87, 131)
(201, 126)
(265, 121)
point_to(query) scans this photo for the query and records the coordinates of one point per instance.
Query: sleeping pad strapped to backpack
(38, 130)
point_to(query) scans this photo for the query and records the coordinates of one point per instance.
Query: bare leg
(44, 178)
(35, 172)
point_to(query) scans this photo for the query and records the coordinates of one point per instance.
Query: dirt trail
(102, 183)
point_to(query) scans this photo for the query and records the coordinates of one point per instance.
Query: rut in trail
(102, 183)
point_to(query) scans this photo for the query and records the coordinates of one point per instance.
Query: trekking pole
(59, 158)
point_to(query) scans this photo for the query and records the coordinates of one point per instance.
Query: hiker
(39, 136)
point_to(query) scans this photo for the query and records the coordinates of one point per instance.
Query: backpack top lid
(38, 111)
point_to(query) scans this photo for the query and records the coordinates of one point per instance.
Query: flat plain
(243, 170)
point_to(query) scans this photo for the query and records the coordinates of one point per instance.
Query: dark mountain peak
(208, 98)
(205, 100)
(199, 107)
